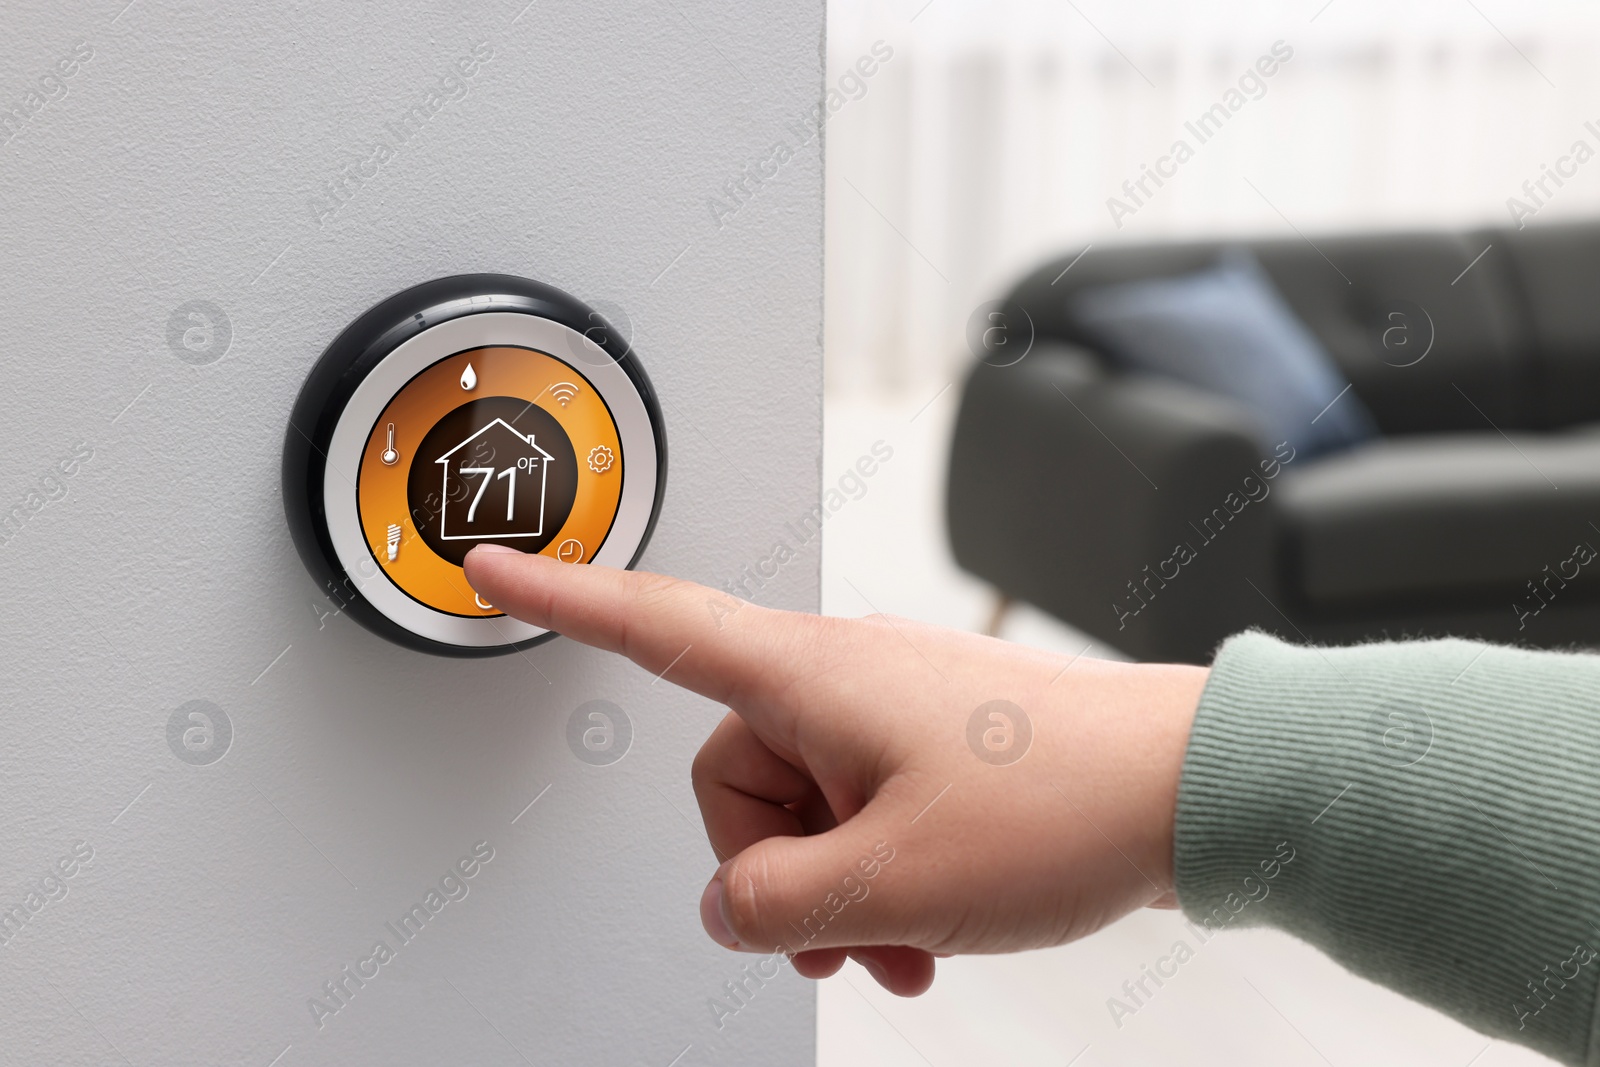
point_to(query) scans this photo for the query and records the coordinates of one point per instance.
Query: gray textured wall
(187, 159)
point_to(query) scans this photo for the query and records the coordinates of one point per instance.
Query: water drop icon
(469, 378)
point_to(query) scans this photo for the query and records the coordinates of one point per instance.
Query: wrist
(1173, 700)
(1125, 753)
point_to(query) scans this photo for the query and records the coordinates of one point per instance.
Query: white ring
(378, 388)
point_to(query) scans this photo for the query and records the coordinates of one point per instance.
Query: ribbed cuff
(1427, 814)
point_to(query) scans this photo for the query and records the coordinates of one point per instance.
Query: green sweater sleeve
(1426, 813)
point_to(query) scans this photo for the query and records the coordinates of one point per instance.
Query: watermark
(739, 991)
(450, 86)
(52, 86)
(1543, 990)
(199, 332)
(1404, 333)
(607, 323)
(1252, 85)
(48, 488)
(1403, 736)
(199, 733)
(45, 890)
(338, 992)
(1136, 991)
(599, 733)
(999, 333)
(340, 592)
(1537, 192)
(999, 733)
(1253, 490)
(799, 533)
(1253, 889)
(742, 188)
(1541, 593)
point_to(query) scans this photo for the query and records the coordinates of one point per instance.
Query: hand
(851, 815)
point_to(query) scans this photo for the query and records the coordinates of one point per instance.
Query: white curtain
(994, 135)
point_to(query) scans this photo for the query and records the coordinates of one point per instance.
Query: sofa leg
(997, 614)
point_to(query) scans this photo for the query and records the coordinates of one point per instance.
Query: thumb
(795, 894)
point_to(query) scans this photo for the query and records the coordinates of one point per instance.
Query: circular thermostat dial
(469, 410)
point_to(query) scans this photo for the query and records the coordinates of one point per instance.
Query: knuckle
(649, 598)
(701, 769)
(800, 654)
(652, 590)
(744, 901)
(813, 636)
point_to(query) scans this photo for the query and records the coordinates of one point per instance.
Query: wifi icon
(563, 392)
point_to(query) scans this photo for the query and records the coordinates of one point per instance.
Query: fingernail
(489, 549)
(874, 968)
(713, 915)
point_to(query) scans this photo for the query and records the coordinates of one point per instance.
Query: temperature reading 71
(525, 463)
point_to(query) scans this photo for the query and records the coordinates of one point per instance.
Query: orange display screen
(501, 444)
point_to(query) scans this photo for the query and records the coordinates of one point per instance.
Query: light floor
(1246, 998)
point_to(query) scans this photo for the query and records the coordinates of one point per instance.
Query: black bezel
(358, 349)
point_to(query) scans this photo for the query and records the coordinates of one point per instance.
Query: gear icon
(600, 459)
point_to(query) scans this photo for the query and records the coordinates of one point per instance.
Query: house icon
(493, 486)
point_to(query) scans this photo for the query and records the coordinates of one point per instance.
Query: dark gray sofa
(1477, 512)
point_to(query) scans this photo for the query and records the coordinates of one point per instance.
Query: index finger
(700, 638)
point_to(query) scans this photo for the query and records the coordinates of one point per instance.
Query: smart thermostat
(477, 409)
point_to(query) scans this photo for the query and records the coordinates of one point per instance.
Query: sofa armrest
(1138, 510)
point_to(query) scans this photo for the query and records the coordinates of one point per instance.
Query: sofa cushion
(1226, 329)
(1446, 519)
(1379, 302)
(1373, 300)
(1555, 269)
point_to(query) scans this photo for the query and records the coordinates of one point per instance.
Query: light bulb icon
(394, 541)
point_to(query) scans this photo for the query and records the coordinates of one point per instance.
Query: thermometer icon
(390, 457)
